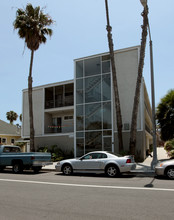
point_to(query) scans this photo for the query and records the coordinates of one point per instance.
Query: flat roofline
(51, 85)
(107, 53)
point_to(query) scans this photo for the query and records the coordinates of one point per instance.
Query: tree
(11, 116)
(31, 24)
(115, 84)
(20, 117)
(165, 116)
(133, 132)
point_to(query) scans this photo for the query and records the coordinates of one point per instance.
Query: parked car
(97, 162)
(12, 156)
(165, 168)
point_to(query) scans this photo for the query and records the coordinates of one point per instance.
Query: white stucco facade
(56, 124)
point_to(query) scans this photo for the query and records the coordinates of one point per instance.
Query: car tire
(17, 167)
(67, 169)
(170, 172)
(112, 170)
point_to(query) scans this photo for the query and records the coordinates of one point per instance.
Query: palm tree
(11, 116)
(133, 132)
(115, 84)
(20, 117)
(165, 116)
(32, 27)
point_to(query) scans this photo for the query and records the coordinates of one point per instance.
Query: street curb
(140, 173)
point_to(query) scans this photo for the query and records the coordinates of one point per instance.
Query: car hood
(69, 160)
(166, 162)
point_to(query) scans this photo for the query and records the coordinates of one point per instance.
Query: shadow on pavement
(25, 172)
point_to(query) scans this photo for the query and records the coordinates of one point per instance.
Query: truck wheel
(37, 169)
(2, 168)
(17, 167)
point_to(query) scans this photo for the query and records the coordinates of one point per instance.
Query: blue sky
(79, 31)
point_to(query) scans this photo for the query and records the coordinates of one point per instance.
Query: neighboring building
(9, 134)
(79, 114)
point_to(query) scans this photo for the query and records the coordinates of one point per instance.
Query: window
(4, 140)
(94, 156)
(93, 89)
(79, 69)
(93, 117)
(12, 141)
(106, 67)
(69, 117)
(92, 66)
(11, 149)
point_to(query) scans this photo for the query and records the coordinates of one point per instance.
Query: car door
(90, 162)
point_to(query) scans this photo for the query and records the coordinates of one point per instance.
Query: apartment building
(79, 114)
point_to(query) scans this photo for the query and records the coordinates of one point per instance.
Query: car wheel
(170, 172)
(17, 168)
(67, 169)
(112, 171)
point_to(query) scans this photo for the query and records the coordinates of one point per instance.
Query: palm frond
(32, 26)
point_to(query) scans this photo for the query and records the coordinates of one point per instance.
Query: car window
(103, 155)
(6, 150)
(11, 149)
(87, 157)
(94, 156)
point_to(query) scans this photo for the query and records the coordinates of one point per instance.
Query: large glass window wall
(93, 105)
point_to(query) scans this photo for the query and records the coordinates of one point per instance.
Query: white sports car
(97, 162)
(165, 168)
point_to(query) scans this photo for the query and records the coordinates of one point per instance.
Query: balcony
(61, 102)
(59, 96)
(52, 129)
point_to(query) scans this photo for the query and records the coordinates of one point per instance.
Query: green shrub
(57, 153)
(171, 154)
(169, 147)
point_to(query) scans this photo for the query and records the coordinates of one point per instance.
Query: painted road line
(87, 186)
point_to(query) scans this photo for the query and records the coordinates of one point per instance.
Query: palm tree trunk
(133, 132)
(30, 80)
(115, 85)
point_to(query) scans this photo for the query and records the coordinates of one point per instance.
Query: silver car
(165, 168)
(97, 162)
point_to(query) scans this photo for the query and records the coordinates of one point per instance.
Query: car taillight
(128, 161)
(32, 157)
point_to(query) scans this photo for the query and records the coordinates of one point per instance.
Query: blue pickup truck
(12, 156)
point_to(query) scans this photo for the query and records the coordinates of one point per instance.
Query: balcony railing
(52, 129)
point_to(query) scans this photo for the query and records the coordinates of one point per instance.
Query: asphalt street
(49, 195)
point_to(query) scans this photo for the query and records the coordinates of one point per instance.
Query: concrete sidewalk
(144, 167)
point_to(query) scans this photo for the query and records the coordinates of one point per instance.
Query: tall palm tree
(11, 116)
(20, 117)
(165, 116)
(32, 25)
(133, 132)
(115, 84)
